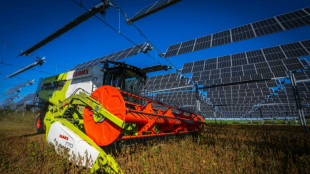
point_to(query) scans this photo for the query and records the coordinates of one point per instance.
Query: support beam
(298, 103)
(235, 83)
(38, 62)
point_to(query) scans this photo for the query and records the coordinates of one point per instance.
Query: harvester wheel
(105, 132)
(39, 124)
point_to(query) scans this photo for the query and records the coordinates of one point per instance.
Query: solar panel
(266, 26)
(275, 24)
(198, 68)
(306, 45)
(294, 19)
(221, 38)
(255, 56)
(294, 50)
(242, 33)
(293, 64)
(237, 62)
(11, 91)
(200, 43)
(4, 104)
(253, 93)
(300, 76)
(186, 47)
(304, 62)
(273, 53)
(270, 63)
(182, 99)
(17, 88)
(152, 9)
(277, 66)
(27, 98)
(113, 57)
(10, 99)
(166, 82)
(267, 75)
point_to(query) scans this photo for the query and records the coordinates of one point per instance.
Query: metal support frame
(298, 103)
(37, 62)
(261, 115)
(197, 98)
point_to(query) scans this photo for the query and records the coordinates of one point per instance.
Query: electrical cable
(107, 24)
(35, 56)
(7, 78)
(159, 53)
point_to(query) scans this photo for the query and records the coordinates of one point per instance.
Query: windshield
(126, 79)
(132, 82)
(113, 77)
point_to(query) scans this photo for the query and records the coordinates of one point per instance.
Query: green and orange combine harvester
(81, 123)
(93, 106)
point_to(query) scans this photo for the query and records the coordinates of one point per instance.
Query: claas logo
(63, 137)
(81, 72)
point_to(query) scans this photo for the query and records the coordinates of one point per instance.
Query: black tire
(39, 124)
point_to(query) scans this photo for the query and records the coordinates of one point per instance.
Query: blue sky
(24, 23)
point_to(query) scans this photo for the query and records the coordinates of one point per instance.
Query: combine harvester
(82, 123)
(93, 106)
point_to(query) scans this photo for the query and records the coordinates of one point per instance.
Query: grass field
(221, 148)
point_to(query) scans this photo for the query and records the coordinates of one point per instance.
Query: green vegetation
(273, 122)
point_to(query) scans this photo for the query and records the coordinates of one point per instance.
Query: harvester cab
(126, 77)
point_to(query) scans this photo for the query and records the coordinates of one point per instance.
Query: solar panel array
(304, 62)
(152, 8)
(236, 99)
(275, 24)
(28, 98)
(167, 82)
(185, 99)
(20, 104)
(260, 64)
(112, 57)
(283, 104)
(10, 99)
(246, 94)
(17, 88)
(4, 105)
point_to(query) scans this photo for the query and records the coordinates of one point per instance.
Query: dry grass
(226, 149)
(220, 149)
(23, 151)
